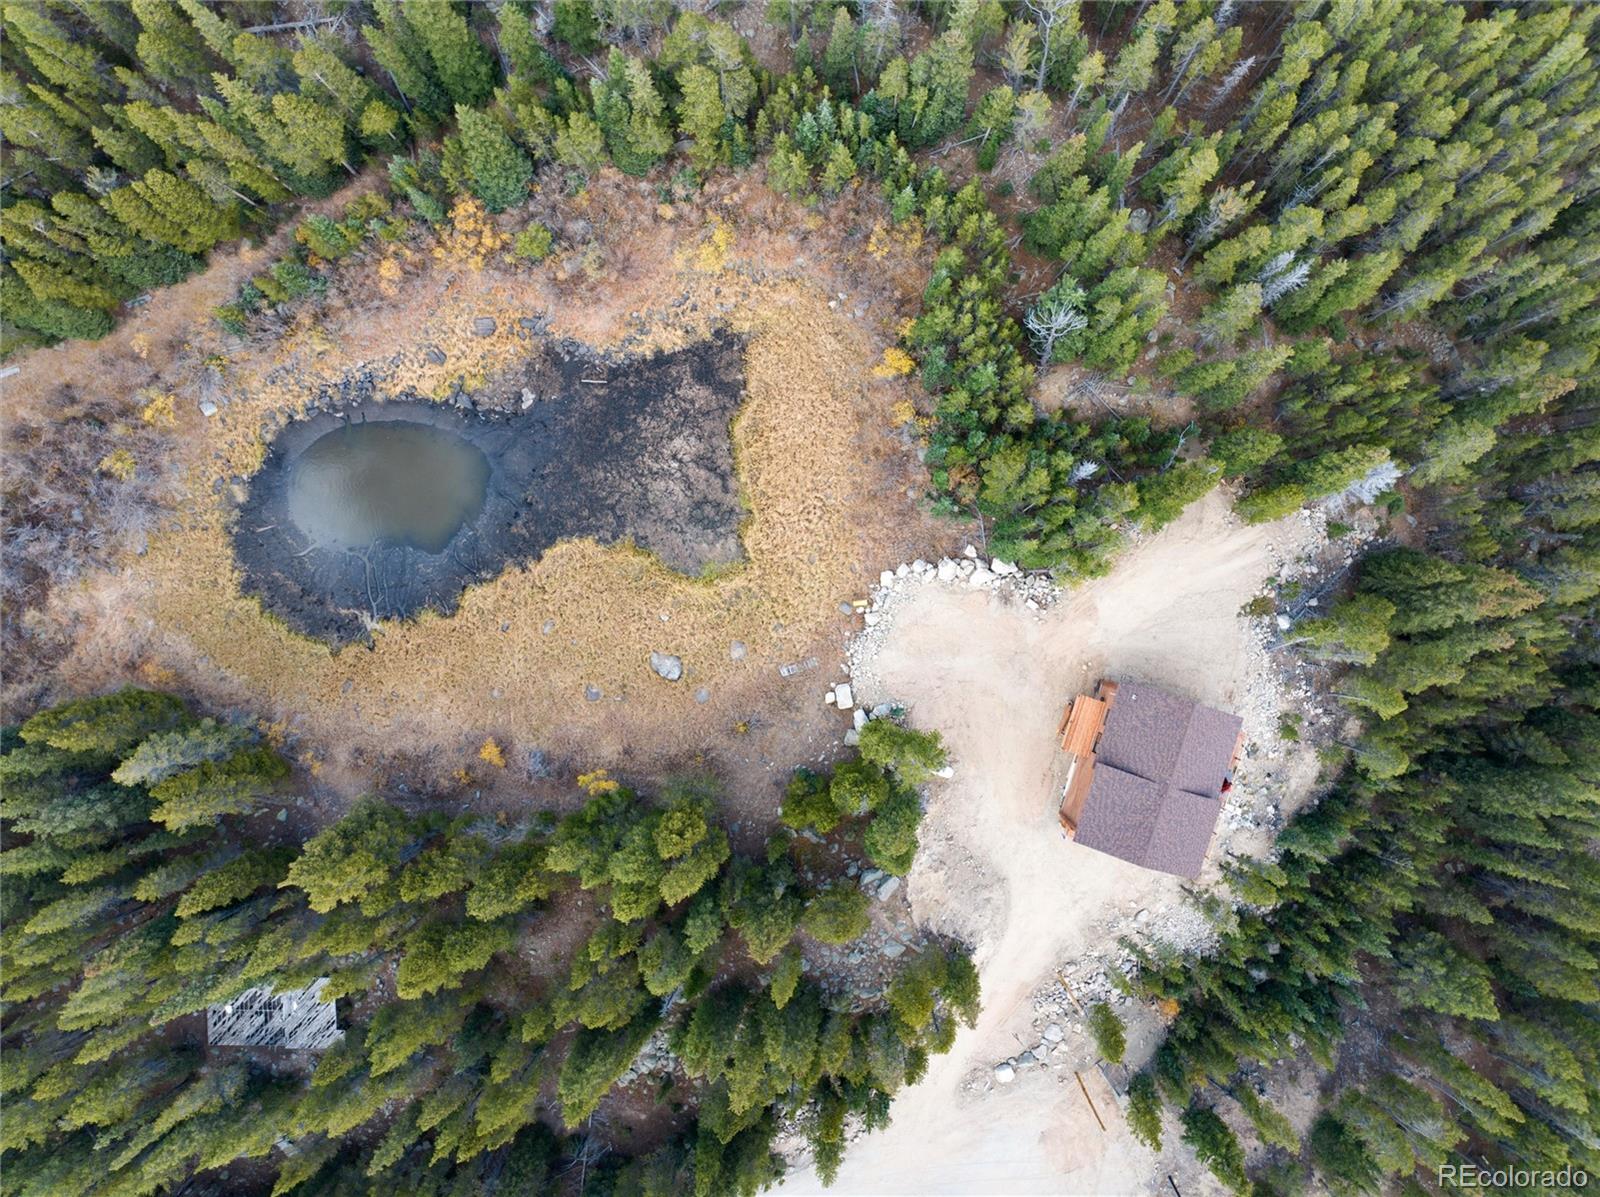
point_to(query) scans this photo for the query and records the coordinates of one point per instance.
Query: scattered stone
(592, 693)
(1139, 220)
(1053, 1033)
(852, 738)
(483, 326)
(1284, 623)
(888, 888)
(842, 696)
(207, 408)
(860, 718)
(528, 398)
(886, 578)
(970, 552)
(947, 772)
(980, 577)
(283, 815)
(872, 618)
(435, 355)
(947, 570)
(872, 876)
(894, 949)
(736, 651)
(1004, 1073)
(702, 695)
(548, 626)
(828, 698)
(666, 665)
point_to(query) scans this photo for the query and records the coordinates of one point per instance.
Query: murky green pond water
(391, 482)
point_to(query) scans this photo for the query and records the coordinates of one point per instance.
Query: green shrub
(837, 914)
(1109, 1036)
(533, 243)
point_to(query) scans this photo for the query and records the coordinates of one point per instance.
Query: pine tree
(498, 171)
(839, 58)
(401, 53)
(1110, 1038)
(1232, 314)
(1144, 1110)
(700, 114)
(630, 113)
(315, 129)
(170, 48)
(463, 65)
(1216, 1146)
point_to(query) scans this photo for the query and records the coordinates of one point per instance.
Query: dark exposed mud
(579, 444)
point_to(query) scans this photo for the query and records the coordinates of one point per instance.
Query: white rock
(947, 570)
(980, 577)
(1004, 1073)
(828, 698)
(886, 578)
(1003, 568)
(1053, 1033)
(852, 738)
(901, 570)
(947, 772)
(860, 719)
(1284, 623)
(842, 697)
(970, 551)
(872, 618)
(207, 408)
(888, 888)
(921, 566)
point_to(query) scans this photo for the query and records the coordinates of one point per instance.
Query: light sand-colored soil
(995, 869)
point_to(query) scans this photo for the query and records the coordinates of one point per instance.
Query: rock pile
(654, 1058)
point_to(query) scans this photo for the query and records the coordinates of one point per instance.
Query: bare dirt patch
(996, 871)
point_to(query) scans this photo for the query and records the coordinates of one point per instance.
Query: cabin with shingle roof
(1146, 774)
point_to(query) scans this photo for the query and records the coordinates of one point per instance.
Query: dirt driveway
(997, 872)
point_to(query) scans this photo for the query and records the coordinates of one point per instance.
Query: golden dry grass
(824, 483)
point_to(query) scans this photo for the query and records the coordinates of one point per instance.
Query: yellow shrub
(896, 362)
(903, 412)
(161, 412)
(491, 753)
(118, 464)
(597, 782)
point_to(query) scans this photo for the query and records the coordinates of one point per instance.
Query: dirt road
(997, 872)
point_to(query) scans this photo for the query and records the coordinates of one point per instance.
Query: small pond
(391, 482)
(376, 507)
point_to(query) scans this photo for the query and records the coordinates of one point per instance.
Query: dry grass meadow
(829, 481)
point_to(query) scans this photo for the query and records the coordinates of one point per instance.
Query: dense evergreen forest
(146, 879)
(1386, 215)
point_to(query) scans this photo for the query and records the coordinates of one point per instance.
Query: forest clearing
(625, 598)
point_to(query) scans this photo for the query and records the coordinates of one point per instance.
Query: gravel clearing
(989, 656)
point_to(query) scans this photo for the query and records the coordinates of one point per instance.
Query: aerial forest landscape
(635, 598)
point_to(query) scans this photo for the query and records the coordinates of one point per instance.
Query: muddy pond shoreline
(579, 444)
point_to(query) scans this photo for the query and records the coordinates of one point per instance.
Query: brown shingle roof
(1120, 814)
(1158, 773)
